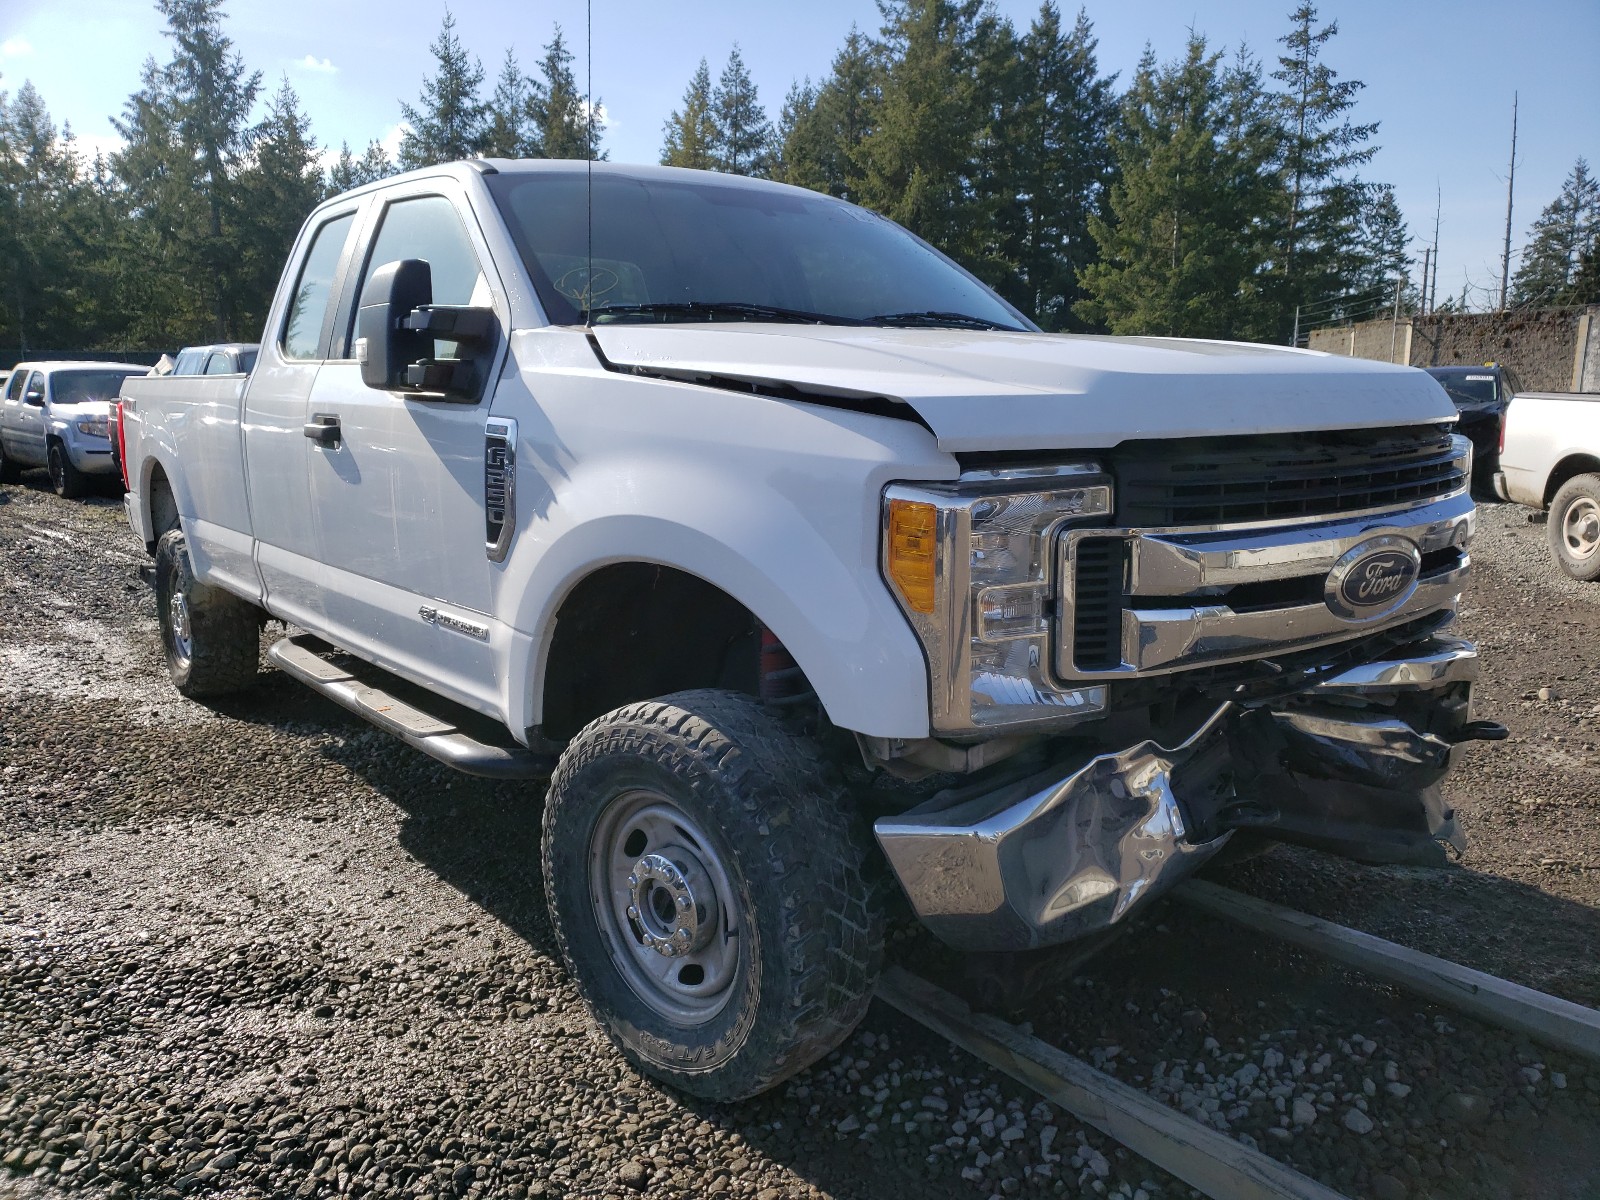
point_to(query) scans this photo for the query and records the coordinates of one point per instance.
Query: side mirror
(396, 327)
(34, 397)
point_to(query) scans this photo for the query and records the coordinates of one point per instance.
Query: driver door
(399, 498)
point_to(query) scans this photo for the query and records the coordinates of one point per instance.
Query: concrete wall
(1548, 349)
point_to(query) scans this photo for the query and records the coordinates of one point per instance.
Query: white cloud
(15, 47)
(391, 140)
(90, 143)
(320, 66)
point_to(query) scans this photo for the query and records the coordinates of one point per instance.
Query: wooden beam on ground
(1197, 1154)
(1557, 1023)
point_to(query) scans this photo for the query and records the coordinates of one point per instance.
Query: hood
(81, 410)
(1022, 391)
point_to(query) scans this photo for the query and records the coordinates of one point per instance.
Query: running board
(434, 736)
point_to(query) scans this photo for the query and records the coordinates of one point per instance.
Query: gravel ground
(260, 949)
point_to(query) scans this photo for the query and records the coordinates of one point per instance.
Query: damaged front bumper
(1353, 765)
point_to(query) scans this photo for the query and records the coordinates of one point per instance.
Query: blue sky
(1439, 73)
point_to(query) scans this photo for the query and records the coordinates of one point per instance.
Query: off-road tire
(10, 469)
(801, 865)
(69, 482)
(224, 634)
(1579, 491)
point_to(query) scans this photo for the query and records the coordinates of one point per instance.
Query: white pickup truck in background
(1550, 460)
(726, 498)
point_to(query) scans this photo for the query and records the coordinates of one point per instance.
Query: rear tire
(211, 637)
(709, 889)
(1574, 527)
(10, 469)
(69, 482)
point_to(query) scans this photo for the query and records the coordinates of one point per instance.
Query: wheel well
(162, 504)
(1575, 464)
(633, 631)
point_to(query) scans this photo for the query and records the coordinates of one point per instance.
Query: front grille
(1227, 480)
(1097, 600)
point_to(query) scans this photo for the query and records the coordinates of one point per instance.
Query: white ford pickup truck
(1550, 460)
(728, 502)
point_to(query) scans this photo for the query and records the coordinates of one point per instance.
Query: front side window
(219, 363)
(429, 228)
(302, 332)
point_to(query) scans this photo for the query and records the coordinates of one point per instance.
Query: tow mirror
(396, 328)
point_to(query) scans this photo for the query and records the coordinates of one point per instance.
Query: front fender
(843, 629)
(776, 504)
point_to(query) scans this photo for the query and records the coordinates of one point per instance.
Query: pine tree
(561, 112)
(167, 290)
(1382, 246)
(743, 132)
(39, 187)
(1182, 253)
(1058, 164)
(1565, 228)
(1585, 285)
(1321, 148)
(507, 132)
(689, 137)
(282, 184)
(919, 160)
(449, 121)
(211, 95)
(822, 129)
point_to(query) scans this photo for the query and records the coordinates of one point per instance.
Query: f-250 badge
(1373, 578)
(445, 621)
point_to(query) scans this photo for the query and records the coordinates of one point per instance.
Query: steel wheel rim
(662, 896)
(182, 632)
(58, 473)
(1580, 528)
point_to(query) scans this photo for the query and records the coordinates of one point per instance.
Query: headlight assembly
(972, 565)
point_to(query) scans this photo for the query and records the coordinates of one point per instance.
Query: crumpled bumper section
(1352, 765)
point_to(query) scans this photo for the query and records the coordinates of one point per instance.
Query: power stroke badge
(1373, 578)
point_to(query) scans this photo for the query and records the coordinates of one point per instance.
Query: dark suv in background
(1480, 394)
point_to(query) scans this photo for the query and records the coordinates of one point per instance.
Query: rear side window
(302, 332)
(188, 362)
(14, 385)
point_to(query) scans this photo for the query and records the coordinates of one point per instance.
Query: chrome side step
(435, 736)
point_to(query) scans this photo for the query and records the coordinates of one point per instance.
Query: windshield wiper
(716, 310)
(933, 319)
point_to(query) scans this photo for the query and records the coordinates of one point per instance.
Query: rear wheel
(68, 481)
(10, 469)
(1574, 527)
(709, 891)
(211, 637)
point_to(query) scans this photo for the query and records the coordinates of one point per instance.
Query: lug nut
(633, 913)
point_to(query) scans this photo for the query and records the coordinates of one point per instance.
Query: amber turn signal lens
(913, 550)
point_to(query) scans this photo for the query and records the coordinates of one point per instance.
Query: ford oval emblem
(1373, 578)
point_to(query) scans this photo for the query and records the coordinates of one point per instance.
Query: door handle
(323, 429)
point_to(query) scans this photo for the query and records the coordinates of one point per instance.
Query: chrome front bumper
(1070, 852)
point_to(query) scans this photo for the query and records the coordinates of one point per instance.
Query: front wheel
(1574, 527)
(68, 481)
(212, 638)
(708, 885)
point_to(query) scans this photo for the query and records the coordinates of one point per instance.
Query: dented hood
(1018, 391)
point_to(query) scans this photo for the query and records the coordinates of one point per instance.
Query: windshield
(692, 250)
(1467, 387)
(74, 387)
